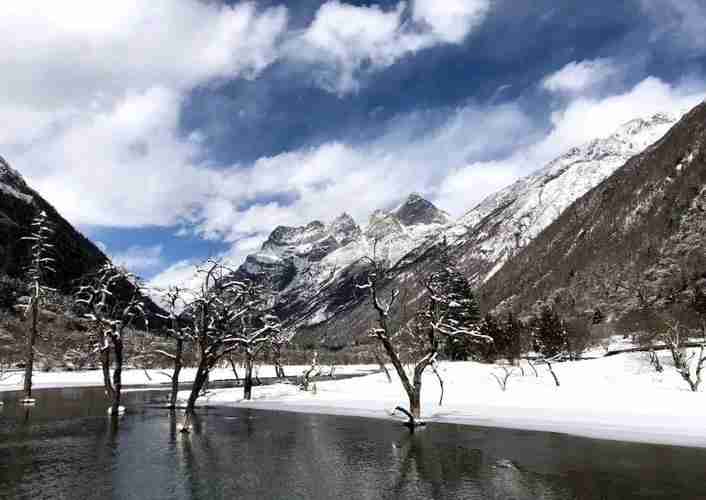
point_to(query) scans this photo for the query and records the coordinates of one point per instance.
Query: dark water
(66, 448)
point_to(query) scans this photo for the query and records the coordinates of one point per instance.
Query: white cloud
(336, 177)
(585, 118)
(94, 89)
(681, 22)
(577, 77)
(351, 41)
(451, 20)
(580, 120)
(140, 259)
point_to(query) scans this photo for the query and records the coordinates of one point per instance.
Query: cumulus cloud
(579, 120)
(451, 20)
(345, 42)
(580, 76)
(320, 183)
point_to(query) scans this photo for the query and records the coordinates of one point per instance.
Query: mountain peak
(418, 210)
(344, 229)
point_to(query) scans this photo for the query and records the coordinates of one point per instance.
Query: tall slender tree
(41, 264)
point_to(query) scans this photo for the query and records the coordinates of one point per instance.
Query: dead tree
(41, 264)
(180, 328)
(683, 363)
(504, 378)
(310, 372)
(277, 341)
(110, 318)
(228, 316)
(425, 331)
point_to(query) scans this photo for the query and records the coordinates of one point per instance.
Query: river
(66, 447)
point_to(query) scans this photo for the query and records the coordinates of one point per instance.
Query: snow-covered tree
(181, 329)
(112, 302)
(228, 316)
(41, 264)
(436, 321)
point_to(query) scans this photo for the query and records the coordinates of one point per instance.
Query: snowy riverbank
(133, 377)
(620, 397)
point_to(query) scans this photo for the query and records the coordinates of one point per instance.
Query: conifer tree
(550, 335)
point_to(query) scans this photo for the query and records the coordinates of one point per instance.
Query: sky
(169, 131)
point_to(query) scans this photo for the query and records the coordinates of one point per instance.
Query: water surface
(66, 447)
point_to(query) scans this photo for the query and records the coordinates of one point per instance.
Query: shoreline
(617, 398)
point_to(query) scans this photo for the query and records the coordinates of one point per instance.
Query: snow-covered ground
(620, 397)
(92, 378)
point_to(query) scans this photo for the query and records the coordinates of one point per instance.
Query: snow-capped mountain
(489, 234)
(636, 240)
(299, 261)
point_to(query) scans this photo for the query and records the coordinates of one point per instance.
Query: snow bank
(94, 378)
(619, 397)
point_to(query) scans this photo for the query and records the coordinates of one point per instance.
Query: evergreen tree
(514, 333)
(457, 302)
(490, 327)
(549, 333)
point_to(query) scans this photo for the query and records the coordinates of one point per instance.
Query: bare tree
(310, 372)
(278, 340)
(228, 316)
(425, 331)
(41, 264)
(504, 378)
(110, 318)
(181, 329)
(673, 338)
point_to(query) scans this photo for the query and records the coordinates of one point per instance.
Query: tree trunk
(29, 361)
(235, 370)
(117, 374)
(199, 381)
(177, 370)
(395, 360)
(247, 381)
(105, 365)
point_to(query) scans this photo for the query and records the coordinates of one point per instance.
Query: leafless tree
(504, 378)
(310, 372)
(110, 318)
(229, 316)
(277, 341)
(425, 330)
(673, 338)
(180, 328)
(41, 264)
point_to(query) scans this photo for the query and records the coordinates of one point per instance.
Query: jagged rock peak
(344, 229)
(418, 210)
(12, 183)
(289, 235)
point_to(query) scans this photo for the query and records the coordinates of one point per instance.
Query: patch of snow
(620, 397)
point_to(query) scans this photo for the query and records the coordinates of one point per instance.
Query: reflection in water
(66, 447)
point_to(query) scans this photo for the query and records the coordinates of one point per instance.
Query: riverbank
(619, 397)
(157, 377)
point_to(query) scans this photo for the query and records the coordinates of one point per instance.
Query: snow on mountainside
(496, 229)
(299, 260)
(506, 221)
(12, 183)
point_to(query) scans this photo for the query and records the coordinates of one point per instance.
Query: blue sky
(173, 130)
